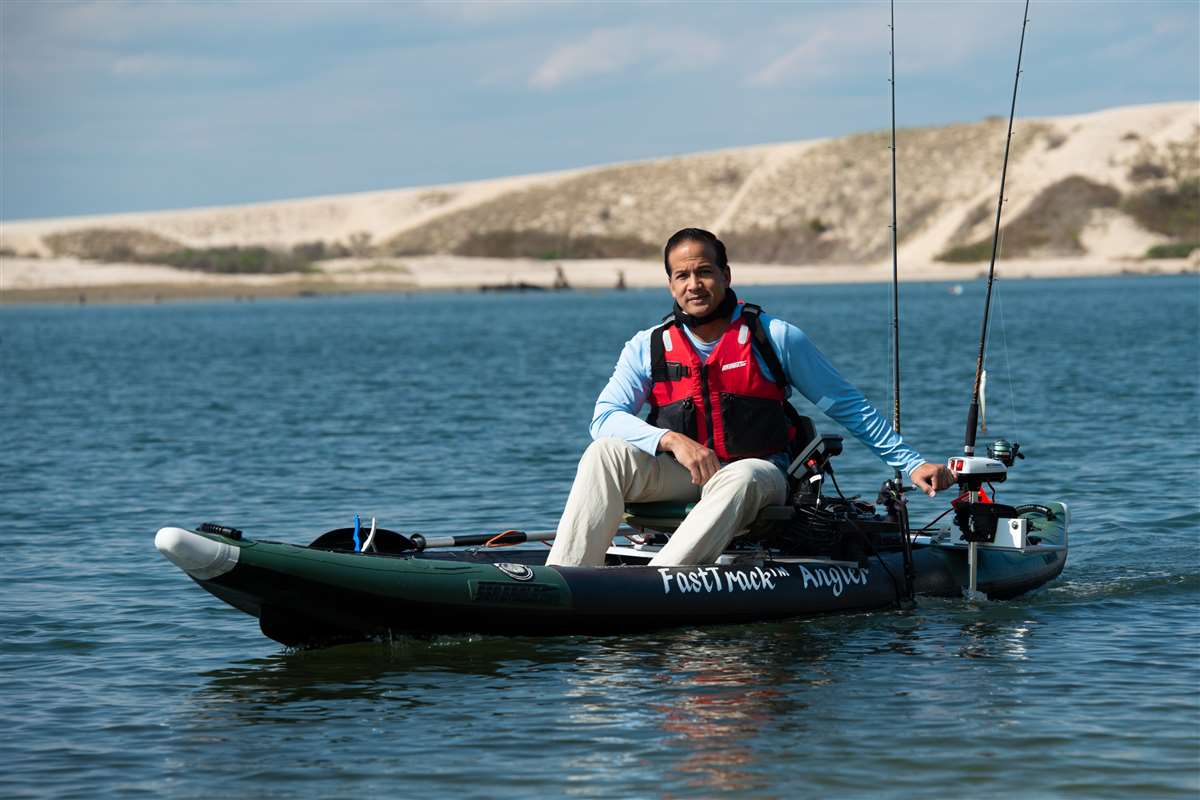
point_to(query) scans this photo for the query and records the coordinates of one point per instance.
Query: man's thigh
(763, 475)
(665, 479)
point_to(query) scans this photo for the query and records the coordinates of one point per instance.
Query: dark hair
(695, 235)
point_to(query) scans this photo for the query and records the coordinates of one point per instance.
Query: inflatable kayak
(325, 592)
(817, 555)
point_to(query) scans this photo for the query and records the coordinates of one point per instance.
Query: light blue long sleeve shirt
(808, 371)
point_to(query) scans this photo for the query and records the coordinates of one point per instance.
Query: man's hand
(698, 459)
(929, 478)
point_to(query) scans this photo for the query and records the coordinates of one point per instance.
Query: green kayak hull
(309, 596)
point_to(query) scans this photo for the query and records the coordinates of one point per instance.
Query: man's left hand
(929, 478)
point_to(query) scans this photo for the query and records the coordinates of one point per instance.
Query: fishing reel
(974, 471)
(1004, 452)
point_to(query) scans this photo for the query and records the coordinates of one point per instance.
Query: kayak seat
(666, 515)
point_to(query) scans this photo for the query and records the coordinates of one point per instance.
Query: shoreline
(34, 281)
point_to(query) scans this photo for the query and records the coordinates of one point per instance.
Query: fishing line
(1008, 373)
(1012, 396)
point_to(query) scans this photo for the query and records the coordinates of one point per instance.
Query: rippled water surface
(464, 413)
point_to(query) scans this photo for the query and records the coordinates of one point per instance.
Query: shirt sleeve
(616, 412)
(809, 371)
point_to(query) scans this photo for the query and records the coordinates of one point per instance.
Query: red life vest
(726, 403)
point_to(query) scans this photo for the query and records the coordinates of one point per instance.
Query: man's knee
(607, 448)
(607, 454)
(751, 475)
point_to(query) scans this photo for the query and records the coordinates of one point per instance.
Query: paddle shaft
(423, 542)
(467, 540)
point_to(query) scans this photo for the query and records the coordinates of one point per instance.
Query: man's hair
(695, 235)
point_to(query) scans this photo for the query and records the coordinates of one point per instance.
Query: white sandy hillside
(1104, 147)
(283, 223)
(1077, 189)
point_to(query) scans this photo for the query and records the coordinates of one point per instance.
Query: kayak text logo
(835, 578)
(714, 579)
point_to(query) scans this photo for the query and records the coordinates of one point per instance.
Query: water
(454, 413)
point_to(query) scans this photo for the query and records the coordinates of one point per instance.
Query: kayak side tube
(303, 595)
(307, 596)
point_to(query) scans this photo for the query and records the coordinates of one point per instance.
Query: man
(718, 431)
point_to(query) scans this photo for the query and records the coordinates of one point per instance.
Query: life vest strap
(660, 369)
(750, 313)
(804, 431)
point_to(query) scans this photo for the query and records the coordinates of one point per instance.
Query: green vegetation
(1173, 250)
(360, 244)
(110, 244)
(236, 260)
(1050, 226)
(1173, 210)
(1169, 202)
(549, 246)
(976, 251)
(728, 176)
(320, 251)
(1055, 140)
(138, 246)
(782, 244)
(1141, 171)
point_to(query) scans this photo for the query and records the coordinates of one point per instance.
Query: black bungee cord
(900, 594)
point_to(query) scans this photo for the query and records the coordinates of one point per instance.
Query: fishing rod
(973, 411)
(895, 247)
(892, 493)
(975, 514)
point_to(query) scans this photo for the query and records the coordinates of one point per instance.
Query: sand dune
(791, 212)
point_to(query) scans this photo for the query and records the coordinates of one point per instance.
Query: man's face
(696, 283)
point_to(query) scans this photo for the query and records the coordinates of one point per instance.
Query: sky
(132, 106)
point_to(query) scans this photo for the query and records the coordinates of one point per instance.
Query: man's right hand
(698, 459)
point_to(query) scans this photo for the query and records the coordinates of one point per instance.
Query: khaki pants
(613, 472)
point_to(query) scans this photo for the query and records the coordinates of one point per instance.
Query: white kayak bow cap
(197, 555)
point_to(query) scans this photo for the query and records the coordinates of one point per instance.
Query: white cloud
(116, 21)
(150, 65)
(610, 50)
(602, 51)
(820, 52)
(852, 41)
(480, 12)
